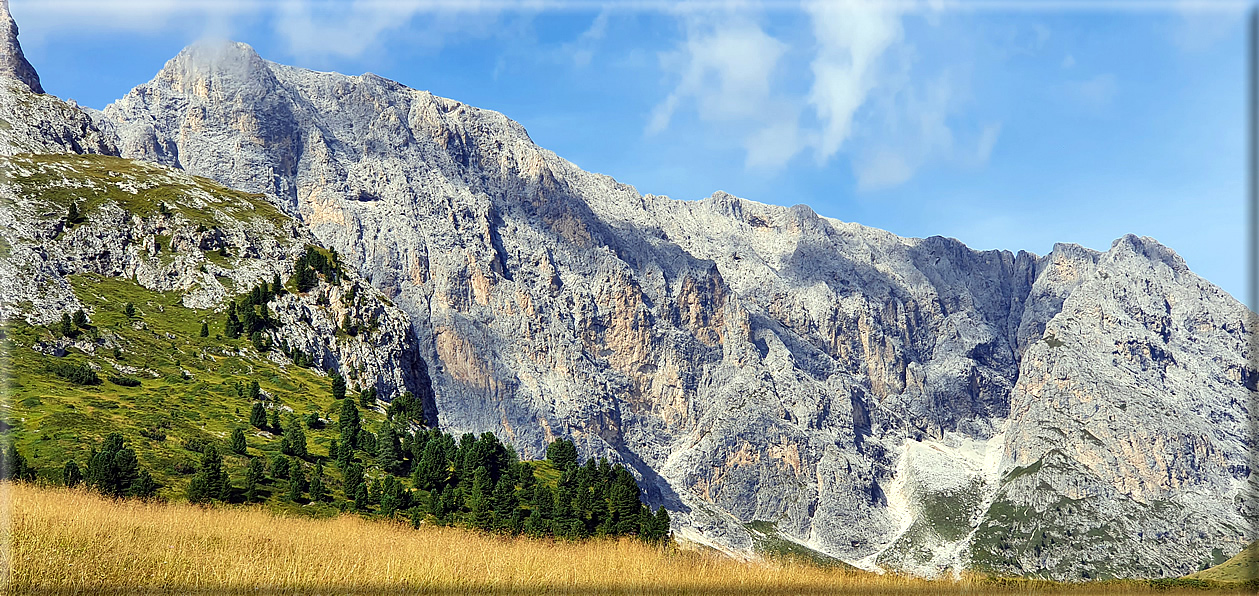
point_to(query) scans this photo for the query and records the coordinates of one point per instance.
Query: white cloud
(724, 68)
(851, 37)
(582, 50)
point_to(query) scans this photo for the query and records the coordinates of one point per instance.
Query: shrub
(81, 374)
(124, 381)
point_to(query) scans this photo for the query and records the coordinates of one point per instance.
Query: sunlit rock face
(897, 402)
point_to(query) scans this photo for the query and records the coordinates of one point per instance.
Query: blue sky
(1005, 125)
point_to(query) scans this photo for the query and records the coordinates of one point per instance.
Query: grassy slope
(56, 420)
(74, 540)
(1244, 566)
(187, 382)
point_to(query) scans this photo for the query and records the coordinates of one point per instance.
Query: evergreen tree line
(250, 315)
(113, 470)
(311, 262)
(474, 481)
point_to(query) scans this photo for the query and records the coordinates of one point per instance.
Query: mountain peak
(221, 60)
(12, 61)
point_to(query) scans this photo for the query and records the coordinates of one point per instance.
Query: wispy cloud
(725, 69)
(1093, 93)
(851, 37)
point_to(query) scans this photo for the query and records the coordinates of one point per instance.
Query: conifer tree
(352, 479)
(114, 468)
(255, 391)
(258, 415)
(276, 288)
(210, 482)
(481, 501)
(80, 319)
(275, 421)
(391, 497)
(349, 424)
(367, 397)
(144, 486)
(253, 477)
(294, 441)
(72, 214)
(205, 329)
(338, 385)
(66, 327)
(389, 451)
(430, 473)
(279, 467)
(129, 309)
(562, 453)
(297, 481)
(71, 475)
(233, 327)
(238, 444)
(317, 490)
(360, 498)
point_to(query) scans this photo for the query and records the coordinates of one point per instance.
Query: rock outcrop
(169, 232)
(901, 402)
(13, 63)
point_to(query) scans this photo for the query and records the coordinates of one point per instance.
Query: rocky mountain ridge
(896, 402)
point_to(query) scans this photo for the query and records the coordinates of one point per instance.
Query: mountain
(895, 402)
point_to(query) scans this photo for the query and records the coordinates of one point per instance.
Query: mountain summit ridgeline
(766, 372)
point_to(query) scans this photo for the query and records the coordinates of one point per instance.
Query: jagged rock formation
(170, 232)
(893, 401)
(13, 62)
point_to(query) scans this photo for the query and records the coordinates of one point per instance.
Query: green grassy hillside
(1244, 566)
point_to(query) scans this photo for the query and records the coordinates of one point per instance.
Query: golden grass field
(72, 541)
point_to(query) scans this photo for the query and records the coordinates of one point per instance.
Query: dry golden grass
(66, 541)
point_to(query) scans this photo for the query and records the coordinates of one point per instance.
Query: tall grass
(72, 541)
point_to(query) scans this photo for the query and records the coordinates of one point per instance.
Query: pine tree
(338, 385)
(129, 309)
(294, 442)
(66, 327)
(238, 441)
(258, 415)
(255, 391)
(114, 468)
(279, 467)
(276, 288)
(625, 504)
(367, 397)
(253, 477)
(275, 421)
(233, 327)
(80, 319)
(563, 453)
(391, 497)
(349, 424)
(352, 479)
(317, 490)
(360, 498)
(210, 482)
(389, 451)
(205, 329)
(297, 481)
(71, 475)
(72, 214)
(144, 486)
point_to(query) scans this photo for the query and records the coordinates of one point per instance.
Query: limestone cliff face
(170, 232)
(901, 402)
(13, 63)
